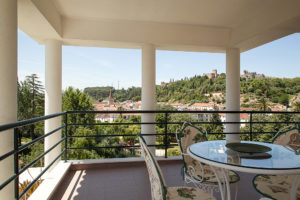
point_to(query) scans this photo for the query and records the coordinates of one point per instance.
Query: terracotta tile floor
(128, 181)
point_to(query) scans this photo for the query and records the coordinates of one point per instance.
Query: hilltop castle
(214, 74)
(248, 75)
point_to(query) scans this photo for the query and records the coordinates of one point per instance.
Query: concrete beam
(39, 19)
(135, 34)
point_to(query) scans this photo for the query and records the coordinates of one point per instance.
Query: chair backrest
(158, 184)
(288, 136)
(189, 135)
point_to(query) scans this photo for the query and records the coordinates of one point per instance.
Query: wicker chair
(159, 191)
(278, 186)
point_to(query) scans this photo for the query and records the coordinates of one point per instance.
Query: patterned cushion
(290, 136)
(190, 135)
(158, 184)
(278, 186)
(275, 186)
(203, 172)
(186, 193)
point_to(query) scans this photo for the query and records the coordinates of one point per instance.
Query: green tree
(216, 127)
(263, 104)
(83, 142)
(74, 99)
(284, 100)
(296, 106)
(31, 104)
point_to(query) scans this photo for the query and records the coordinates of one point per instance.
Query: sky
(121, 68)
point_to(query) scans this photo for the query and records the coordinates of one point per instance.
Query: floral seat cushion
(187, 193)
(279, 186)
(275, 186)
(192, 168)
(159, 190)
(203, 172)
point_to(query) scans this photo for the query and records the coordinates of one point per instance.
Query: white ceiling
(195, 12)
(209, 25)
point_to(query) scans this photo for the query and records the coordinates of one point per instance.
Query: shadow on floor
(129, 181)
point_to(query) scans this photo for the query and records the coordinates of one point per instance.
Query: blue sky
(91, 66)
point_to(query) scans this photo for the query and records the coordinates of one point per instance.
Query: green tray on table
(248, 147)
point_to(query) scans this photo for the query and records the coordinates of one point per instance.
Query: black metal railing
(67, 137)
(18, 148)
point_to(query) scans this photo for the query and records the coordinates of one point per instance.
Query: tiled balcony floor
(127, 181)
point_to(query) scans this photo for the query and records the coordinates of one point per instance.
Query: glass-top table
(283, 160)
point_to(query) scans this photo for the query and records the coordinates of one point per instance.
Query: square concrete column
(53, 96)
(148, 91)
(232, 93)
(8, 88)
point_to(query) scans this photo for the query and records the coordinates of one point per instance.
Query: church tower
(111, 99)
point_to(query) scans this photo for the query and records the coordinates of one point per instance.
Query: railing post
(166, 134)
(251, 127)
(16, 163)
(66, 137)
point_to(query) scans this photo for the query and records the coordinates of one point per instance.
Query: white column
(8, 88)
(53, 96)
(232, 92)
(148, 91)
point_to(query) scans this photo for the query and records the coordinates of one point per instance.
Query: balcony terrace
(229, 27)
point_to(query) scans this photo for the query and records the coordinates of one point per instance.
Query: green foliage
(100, 93)
(284, 99)
(83, 142)
(296, 106)
(74, 99)
(175, 151)
(32, 152)
(193, 90)
(31, 105)
(260, 128)
(275, 89)
(263, 105)
(217, 127)
(29, 192)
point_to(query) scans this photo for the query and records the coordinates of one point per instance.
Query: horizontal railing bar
(220, 123)
(114, 123)
(115, 135)
(27, 166)
(243, 133)
(37, 178)
(42, 155)
(176, 111)
(29, 143)
(176, 123)
(111, 147)
(134, 135)
(41, 137)
(29, 121)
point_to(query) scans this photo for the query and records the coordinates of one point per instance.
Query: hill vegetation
(200, 89)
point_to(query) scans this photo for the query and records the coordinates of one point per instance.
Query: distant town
(109, 104)
(216, 101)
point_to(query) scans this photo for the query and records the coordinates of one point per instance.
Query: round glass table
(280, 160)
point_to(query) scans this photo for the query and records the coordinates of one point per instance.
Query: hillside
(202, 89)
